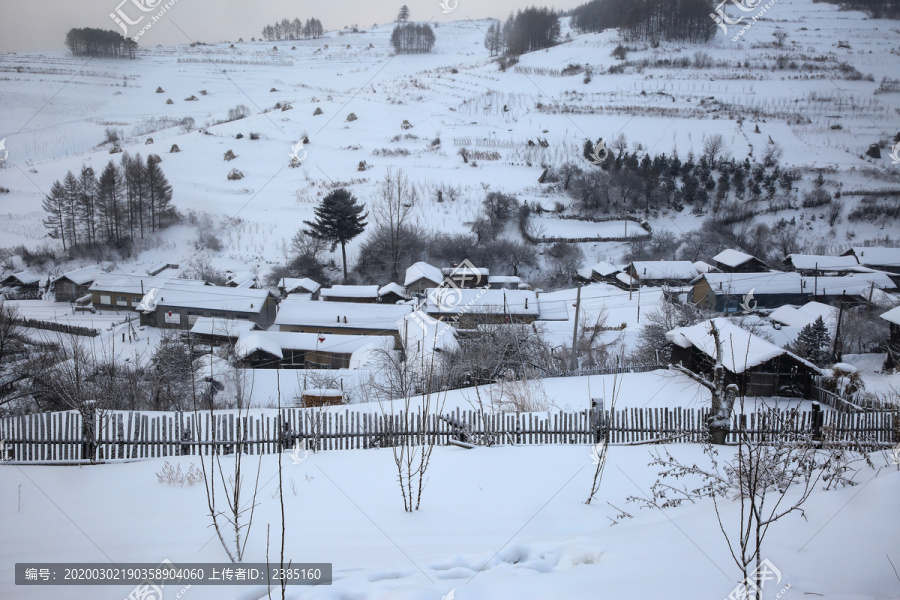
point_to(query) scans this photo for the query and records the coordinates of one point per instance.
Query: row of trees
(529, 30)
(90, 41)
(293, 30)
(412, 38)
(652, 20)
(124, 201)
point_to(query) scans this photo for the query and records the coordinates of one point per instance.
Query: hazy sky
(42, 24)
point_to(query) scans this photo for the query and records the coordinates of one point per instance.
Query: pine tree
(339, 219)
(110, 201)
(403, 15)
(814, 343)
(54, 205)
(160, 194)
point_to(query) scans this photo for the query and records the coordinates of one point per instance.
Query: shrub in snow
(317, 112)
(115, 149)
(239, 136)
(230, 155)
(874, 151)
(235, 174)
(154, 158)
(159, 90)
(362, 166)
(169, 101)
(174, 149)
(254, 136)
(406, 125)
(202, 92)
(238, 112)
(191, 98)
(170, 475)
(351, 117)
(148, 142)
(272, 90)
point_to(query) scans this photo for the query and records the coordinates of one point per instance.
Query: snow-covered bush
(230, 155)
(235, 175)
(170, 475)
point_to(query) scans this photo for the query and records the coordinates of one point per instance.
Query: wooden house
(735, 261)
(290, 350)
(241, 279)
(208, 331)
(361, 294)
(392, 293)
(877, 257)
(74, 285)
(466, 276)
(295, 285)
(816, 264)
(601, 272)
(658, 273)
(758, 367)
(467, 308)
(347, 318)
(174, 305)
(123, 291)
(23, 285)
(731, 292)
(892, 360)
(422, 276)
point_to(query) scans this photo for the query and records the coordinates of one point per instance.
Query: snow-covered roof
(625, 278)
(585, 273)
(451, 301)
(877, 255)
(604, 269)
(231, 328)
(809, 262)
(274, 342)
(332, 315)
(464, 270)
(241, 278)
(804, 315)
(435, 335)
(772, 282)
(732, 258)
(137, 284)
(392, 287)
(892, 316)
(703, 267)
(741, 349)
(855, 284)
(81, 276)
(175, 294)
(319, 392)
(292, 284)
(350, 291)
(504, 279)
(664, 269)
(553, 310)
(422, 270)
(25, 277)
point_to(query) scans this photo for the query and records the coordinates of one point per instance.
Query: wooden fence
(67, 436)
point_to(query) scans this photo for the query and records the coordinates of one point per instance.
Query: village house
(756, 366)
(466, 277)
(208, 331)
(817, 264)
(735, 261)
(291, 350)
(506, 282)
(422, 276)
(730, 292)
(892, 360)
(362, 294)
(175, 305)
(346, 318)
(856, 287)
(657, 273)
(241, 279)
(467, 308)
(304, 285)
(877, 257)
(601, 272)
(392, 293)
(74, 285)
(121, 291)
(23, 285)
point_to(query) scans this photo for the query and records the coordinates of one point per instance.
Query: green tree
(403, 15)
(814, 343)
(339, 219)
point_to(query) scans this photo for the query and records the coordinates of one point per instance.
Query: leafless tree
(835, 207)
(713, 148)
(397, 197)
(600, 451)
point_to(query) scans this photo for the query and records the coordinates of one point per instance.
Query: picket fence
(68, 437)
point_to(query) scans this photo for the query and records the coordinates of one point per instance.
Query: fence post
(818, 418)
(88, 420)
(597, 421)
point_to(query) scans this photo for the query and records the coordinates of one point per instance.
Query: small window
(121, 300)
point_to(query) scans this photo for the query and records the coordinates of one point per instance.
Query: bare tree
(391, 212)
(722, 395)
(713, 148)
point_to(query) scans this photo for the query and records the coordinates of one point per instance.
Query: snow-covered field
(494, 523)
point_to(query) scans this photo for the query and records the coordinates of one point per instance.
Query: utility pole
(639, 306)
(837, 332)
(574, 363)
